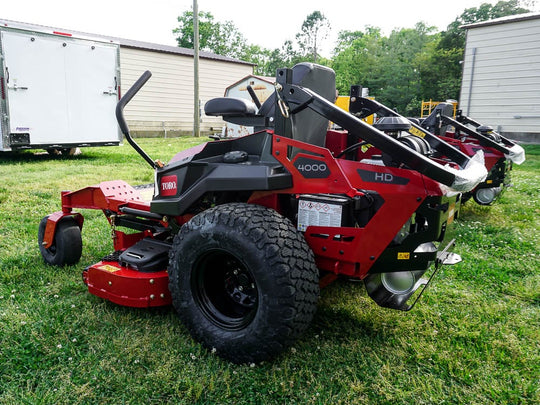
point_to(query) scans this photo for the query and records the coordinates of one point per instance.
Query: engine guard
(386, 297)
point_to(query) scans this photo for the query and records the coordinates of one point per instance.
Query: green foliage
(355, 58)
(398, 80)
(225, 39)
(440, 72)
(271, 60)
(401, 70)
(412, 64)
(222, 38)
(454, 36)
(390, 67)
(314, 29)
(472, 339)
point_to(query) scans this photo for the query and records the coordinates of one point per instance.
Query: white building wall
(501, 76)
(165, 103)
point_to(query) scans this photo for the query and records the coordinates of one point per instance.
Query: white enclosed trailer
(58, 90)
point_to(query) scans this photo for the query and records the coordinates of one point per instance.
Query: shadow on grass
(33, 156)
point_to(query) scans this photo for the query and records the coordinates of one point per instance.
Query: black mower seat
(431, 123)
(307, 125)
(228, 106)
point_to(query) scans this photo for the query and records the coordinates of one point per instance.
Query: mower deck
(124, 286)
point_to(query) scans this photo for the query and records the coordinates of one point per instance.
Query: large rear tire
(67, 245)
(244, 281)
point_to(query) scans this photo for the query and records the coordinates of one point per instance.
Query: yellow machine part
(428, 106)
(343, 103)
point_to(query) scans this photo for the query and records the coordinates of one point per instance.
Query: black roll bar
(298, 98)
(503, 147)
(363, 107)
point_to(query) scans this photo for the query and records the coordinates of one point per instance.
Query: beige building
(165, 104)
(501, 75)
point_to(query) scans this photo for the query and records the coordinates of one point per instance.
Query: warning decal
(417, 132)
(108, 268)
(316, 213)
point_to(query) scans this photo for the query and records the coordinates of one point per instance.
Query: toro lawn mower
(470, 136)
(241, 233)
(499, 152)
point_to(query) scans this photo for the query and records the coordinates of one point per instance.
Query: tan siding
(505, 83)
(166, 101)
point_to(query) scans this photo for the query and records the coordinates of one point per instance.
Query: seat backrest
(432, 122)
(307, 125)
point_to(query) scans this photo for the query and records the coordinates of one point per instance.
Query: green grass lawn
(474, 338)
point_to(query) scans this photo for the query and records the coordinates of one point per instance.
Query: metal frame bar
(366, 107)
(298, 98)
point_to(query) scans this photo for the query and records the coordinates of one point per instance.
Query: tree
(220, 38)
(386, 65)
(355, 56)
(410, 65)
(207, 29)
(441, 74)
(314, 29)
(397, 77)
(223, 38)
(454, 36)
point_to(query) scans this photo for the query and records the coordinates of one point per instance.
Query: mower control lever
(254, 96)
(122, 122)
(511, 150)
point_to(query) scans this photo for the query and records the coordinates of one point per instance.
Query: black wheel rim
(224, 289)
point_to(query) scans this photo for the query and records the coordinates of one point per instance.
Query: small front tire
(66, 248)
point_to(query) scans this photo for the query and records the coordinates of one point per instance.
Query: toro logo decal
(168, 185)
(312, 168)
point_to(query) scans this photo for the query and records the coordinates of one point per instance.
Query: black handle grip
(127, 98)
(254, 96)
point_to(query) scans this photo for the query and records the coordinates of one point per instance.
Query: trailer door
(36, 91)
(92, 91)
(62, 91)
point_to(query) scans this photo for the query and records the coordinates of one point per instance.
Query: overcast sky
(267, 24)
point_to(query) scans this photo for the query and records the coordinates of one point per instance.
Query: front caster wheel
(67, 245)
(243, 280)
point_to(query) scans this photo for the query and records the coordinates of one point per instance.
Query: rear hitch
(394, 289)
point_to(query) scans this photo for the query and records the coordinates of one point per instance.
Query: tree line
(401, 69)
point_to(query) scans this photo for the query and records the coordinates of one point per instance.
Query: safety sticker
(451, 213)
(417, 132)
(364, 148)
(108, 268)
(316, 213)
(403, 256)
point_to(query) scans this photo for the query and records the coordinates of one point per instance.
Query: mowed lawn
(474, 338)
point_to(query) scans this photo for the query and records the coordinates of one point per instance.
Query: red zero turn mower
(499, 152)
(240, 233)
(470, 136)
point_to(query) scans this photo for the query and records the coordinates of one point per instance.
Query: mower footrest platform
(148, 255)
(123, 286)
